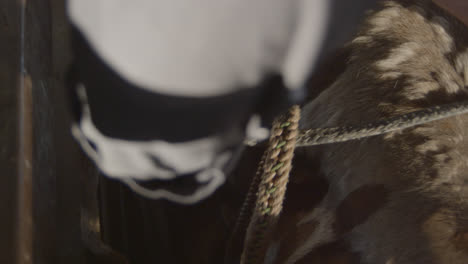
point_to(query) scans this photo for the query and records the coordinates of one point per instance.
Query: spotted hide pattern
(399, 198)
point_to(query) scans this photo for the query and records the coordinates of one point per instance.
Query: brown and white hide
(398, 198)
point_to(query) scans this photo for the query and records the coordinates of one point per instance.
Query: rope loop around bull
(263, 204)
(274, 170)
(319, 136)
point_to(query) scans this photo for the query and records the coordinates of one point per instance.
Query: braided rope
(272, 186)
(318, 136)
(273, 171)
(245, 214)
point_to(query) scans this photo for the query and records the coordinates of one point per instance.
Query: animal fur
(399, 198)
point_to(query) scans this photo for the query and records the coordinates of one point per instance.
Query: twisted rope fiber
(245, 214)
(274, 168)
(318, 136)
(248, 205)
(272, 186)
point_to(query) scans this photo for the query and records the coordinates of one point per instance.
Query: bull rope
(263, 203)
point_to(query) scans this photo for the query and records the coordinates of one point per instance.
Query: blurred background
(47, 186)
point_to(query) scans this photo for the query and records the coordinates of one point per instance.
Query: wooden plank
(25, 171)
(9, 73)
(37, 52)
